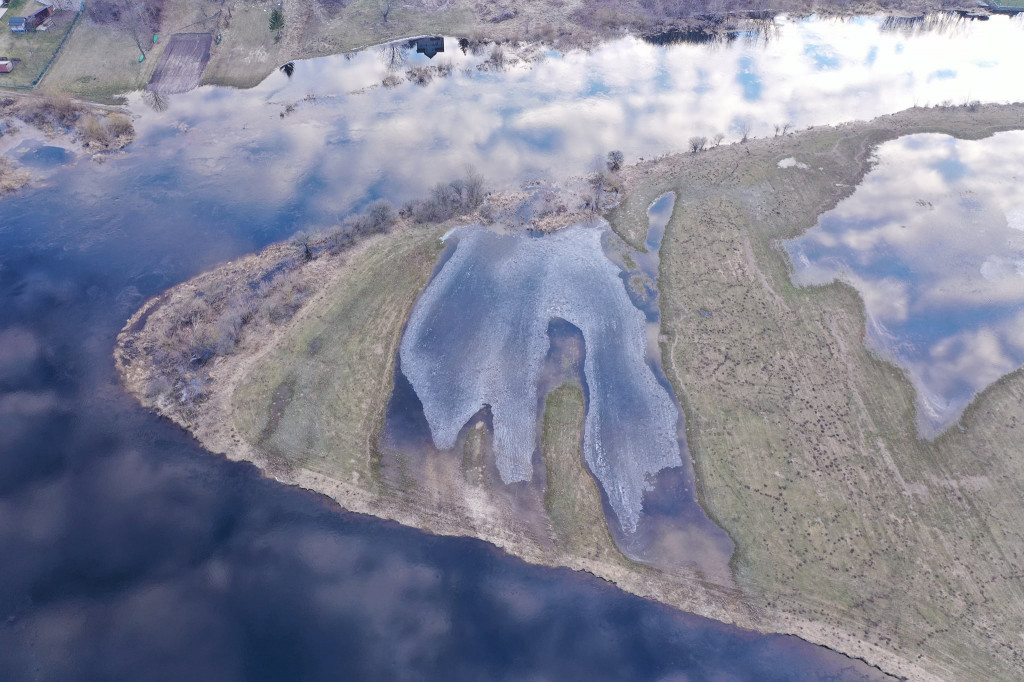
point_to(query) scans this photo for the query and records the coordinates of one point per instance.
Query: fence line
(60, 46)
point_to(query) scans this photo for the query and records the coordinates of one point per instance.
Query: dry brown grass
(849, 529)
(11, 176)
(572, 498)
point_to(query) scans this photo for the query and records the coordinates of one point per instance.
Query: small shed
(17, 24)
(36, 19)
(6, 65)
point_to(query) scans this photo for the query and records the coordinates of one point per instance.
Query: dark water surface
(127, 552)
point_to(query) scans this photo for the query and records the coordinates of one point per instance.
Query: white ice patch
(790, 162)
(478, 336)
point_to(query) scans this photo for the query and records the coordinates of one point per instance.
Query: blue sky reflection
(933, 240)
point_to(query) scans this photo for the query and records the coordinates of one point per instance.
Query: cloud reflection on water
(554, 117)
(931, 239)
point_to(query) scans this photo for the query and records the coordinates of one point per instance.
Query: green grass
(34, 48)
(1008, 3)
(98, 63)
(572, 498)
(338, 392)
(805, 444)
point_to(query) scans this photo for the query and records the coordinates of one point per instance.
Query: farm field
(35, 48)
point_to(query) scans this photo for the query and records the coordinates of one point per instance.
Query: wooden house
(36, 19)
(430, 46)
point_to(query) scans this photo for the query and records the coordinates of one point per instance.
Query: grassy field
(34, 48)
(805, 444)
(101, 61)
(317, 399)
(572, 498)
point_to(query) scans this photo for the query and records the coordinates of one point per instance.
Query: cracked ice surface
(478, 336)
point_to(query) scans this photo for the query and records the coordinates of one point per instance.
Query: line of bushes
(213, 322)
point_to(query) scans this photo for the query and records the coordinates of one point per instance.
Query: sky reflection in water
(127, 551)
(933, 240)
(554, 117)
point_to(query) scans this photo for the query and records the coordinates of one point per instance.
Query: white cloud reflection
(931, 242)
(554, 117)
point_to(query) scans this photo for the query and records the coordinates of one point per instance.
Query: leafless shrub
(381, 215)
(49, 112)
(698, 143)
(94, 132)
(11, 177)
(447, 200)
(420, 75)
(391, 81)
(615, 160)
(717, 139)
(497, 59)
(303, 243)
(743, 128)
(119, 125)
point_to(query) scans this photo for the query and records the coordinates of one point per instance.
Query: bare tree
(743, 128)
(154, 100)
(597, 182)
(303, 241)
(698, 143)
(393, 56)
(615, 159)
(385, 7)
(135, 22)
(785, 127)
(717, 139)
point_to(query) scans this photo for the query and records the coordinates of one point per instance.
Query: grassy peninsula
(850, 531)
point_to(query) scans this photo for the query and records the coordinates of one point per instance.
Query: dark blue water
(128, 552)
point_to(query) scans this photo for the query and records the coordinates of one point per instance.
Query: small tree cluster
(451, 199)
(698, 143)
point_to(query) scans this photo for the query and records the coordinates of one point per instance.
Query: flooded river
(127, 551)
(933, 239)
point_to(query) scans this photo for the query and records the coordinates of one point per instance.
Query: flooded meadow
(124, 539)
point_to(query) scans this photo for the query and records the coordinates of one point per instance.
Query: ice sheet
(478, 336)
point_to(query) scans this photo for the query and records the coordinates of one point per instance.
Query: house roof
(16, 20)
